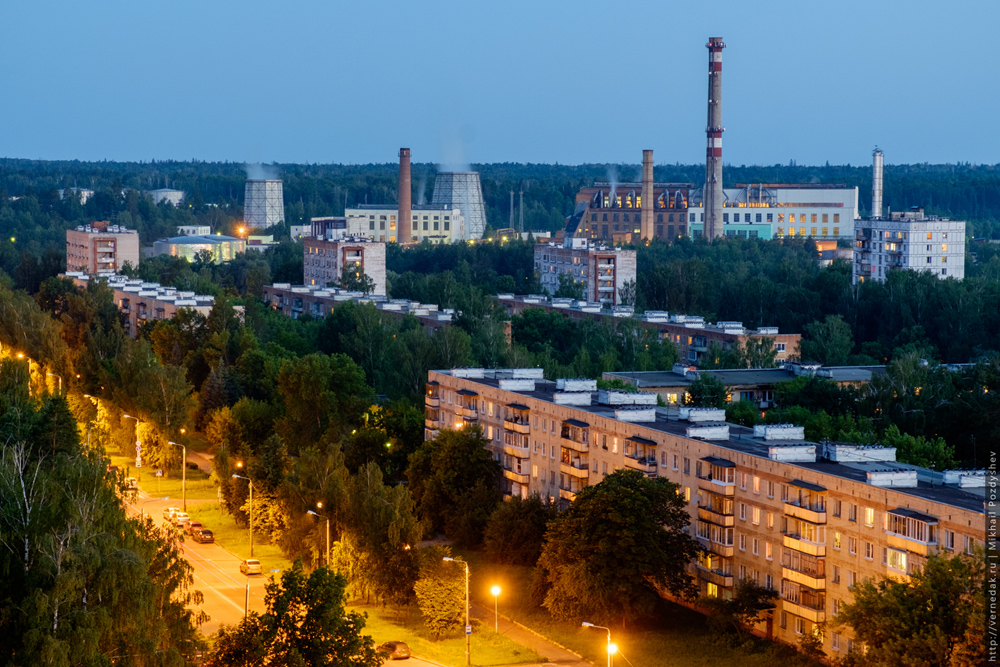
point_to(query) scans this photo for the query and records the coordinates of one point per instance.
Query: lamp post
(611, 647)
(320, 516)
(250, 482)
(184, 477)
(138, 443)
(246, 602)
(58, 377)
(468, 628)
(142, 508)
(496, 608)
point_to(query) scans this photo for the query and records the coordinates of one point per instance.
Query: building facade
(101, 248)
(324, 261)
(143, 302)
(220, 248)
(161, 195)
(434, 223)
(613, 212)
(807, 520)
(603, 271)
(194, 230)
(909, 240)
(263, 203)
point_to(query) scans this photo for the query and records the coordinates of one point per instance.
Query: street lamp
(468, 628)
(58, 377)
(250, 482)
(184, 456)
(496, 608)
(142, 507)
(320, 506)
(611, 647)
(138, 444)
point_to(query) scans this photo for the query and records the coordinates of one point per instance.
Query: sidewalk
(553, 652)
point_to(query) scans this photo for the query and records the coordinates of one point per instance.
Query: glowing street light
(184, 477)
(319, 505)
(250, 482)
(496, 606)
(612, 648)
(468, 628)
(58, 377)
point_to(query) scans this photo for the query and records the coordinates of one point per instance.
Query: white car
(251, 566)
(169, 512)
(180, 519)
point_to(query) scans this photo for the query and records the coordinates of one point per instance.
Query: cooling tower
(462, 190)
(264, 204)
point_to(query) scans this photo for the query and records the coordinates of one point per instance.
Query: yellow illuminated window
(813, 218)
(712, 590)
(836, 231)
(944, 247)
(928, 236)
(802, 231)
(392, 226)
(812, 231)
(781, 231)
(781, 217)
(944, 259)
(791, 231)
(826, 230)
(791, 217)
(826, 217)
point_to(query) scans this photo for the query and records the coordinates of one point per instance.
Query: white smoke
(422, 189)
(261, 172)
(613, 180)
(453, 153)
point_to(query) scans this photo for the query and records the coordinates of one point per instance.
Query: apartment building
(909, 240)
(101, 248)
(141, 302)
(325, 261)
(603, 271)
(808, 520)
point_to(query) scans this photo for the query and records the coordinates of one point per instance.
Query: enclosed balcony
(468, 404)
(714, 538)
(573, 464)
(803, 568)
(806, 501)
(803, 601)
(516, 418)
(515, 444)
(911, 531)
(432, 398)
(576, 435)
(640, 454)
(716, 508)
(809, 538)
(717, 475)
(715, 569)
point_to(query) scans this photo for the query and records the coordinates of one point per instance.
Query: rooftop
(747, 376)
(196, 240)
(140, 288)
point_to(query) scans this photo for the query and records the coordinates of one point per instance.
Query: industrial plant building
(220, 248)
(905, 240)
(808, 520)
(603, 271)
(174, 197)
(434, 223)
(263, 203)
(324, 262)
(143, 302)
(101, 248)
(691, 334)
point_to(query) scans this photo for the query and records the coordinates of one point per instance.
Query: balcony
(517, 427)
(566, 494)
(430, 423)
(645, 464)
(576, 468)
(470, 413)
(717, 577)
(719, 519)
(815, 513)
(814, 580)
(797, 542)
(516, 451)
(723, 550)
(913, 546)
(714, 486)
(514, 476)
(432, 401)
(581, 447)
(809, 613)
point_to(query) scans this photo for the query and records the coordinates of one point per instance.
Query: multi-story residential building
(603, 271)
(101, 248)
(219, 247)
(143, 302)
(691, 334)
(324, 261)
(909, 240)
(434, 223)
(808, 520)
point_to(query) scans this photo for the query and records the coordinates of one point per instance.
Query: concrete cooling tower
(462, 190)
(264, 204)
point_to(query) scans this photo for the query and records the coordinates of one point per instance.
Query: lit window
(869, 517)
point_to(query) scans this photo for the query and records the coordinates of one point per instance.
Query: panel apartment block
(909, 240)
(101, 248)
(808, 520)
(324, 261)
(602, 270)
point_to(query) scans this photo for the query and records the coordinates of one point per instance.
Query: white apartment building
(435, 223)
(324, 261)
(909, 240)
(604, 271)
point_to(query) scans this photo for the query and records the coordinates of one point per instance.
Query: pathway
(548, 649)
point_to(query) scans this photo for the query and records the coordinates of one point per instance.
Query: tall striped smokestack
(713, 156)
(876, 184)
(647, 195)
(403, 233)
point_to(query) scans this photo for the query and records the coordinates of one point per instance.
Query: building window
(770, 487)
(675, 462)
(869, 517)
(836, 574)
(852, 514)
(756, 516)
(743, 481)
(743, 542)
(756, 547)
(835, 641)
(852, 546)
(756, 484)
(770, 519)
(725, 217)
(836, 508)
(783, 619)
(949, 540)
(852, 578)
(869, 551)
(743, 512)
(812, 218)
(970, 544)
(768, 554)
(800, 626)
(836, 540)
(687, 466)
(713, 590)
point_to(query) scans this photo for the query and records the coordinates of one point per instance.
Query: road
(216, 575)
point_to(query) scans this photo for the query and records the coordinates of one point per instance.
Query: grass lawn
(199, 486)
(488, 648)
(235, 538)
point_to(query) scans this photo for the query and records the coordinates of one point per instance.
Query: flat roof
(741, 440)
(749, 376)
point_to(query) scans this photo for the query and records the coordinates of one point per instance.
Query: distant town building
(603, 271)
(260, 243)
(611, 212)
(83, 193)
(434, 223)
(194, 230)
(263, 203)
(100, 248)
(332, 227)
(324, 261)
(299, 232)
(221, 248)
(167, 195)
(909, 240)
(143, 302)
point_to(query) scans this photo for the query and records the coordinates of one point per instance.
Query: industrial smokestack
(876, 184)
(403, 226)
(520, 211)
(647, 195)
(712, 194)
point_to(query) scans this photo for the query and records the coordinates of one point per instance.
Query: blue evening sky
(519, 81)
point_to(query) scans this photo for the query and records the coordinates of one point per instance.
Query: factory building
(324, 262)
(263, 203)
(174, 197)
(603, 271)
(612, 212)
(143, 302)
(905, 240)
(101, 248)
(808, 520)
(221, 248)
(434, 223)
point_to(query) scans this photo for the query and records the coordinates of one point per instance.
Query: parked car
(394, 651)
(131, 483)
(169, 512)
(180, 519)
(203, 535)
(251, 566)
(193, 526)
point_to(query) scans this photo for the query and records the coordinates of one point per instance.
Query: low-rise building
(174, 197)
(605, 272)
(909, 240)
(101, 248)
(220, 248)
(808, 520)
(324, 262)
(434, 223)
(194, 230)
(83, 193)
(141, 302)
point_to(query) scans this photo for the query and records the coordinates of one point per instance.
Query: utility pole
(520, 225)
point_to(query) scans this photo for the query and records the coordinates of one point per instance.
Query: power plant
(264, 204)
(404, 212)
(462, 190)
(713, 195)
(647, 195)
(876, 184)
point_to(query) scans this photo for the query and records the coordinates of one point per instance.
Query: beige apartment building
(101, 248)
(808, 520)
(324, 261)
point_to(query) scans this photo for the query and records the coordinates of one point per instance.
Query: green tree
(569, 288)
(626, 293)
(742, 610)
(625, 513)
(707, 391)
(440, 591)
(354, 278)
(516, 530)
(829, 342)
(305, 624)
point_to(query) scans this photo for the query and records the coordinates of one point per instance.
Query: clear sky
(510, 80)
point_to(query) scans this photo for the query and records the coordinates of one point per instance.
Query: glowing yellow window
(826, 217)
(802, 231)
(781, 231)
(944, 247)
(713, 590)
(812, 218)
(826, 230)
(928, 236)
(781, 217)
(836, 231)
(812, 231)
(791, 217)
(791, 231)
